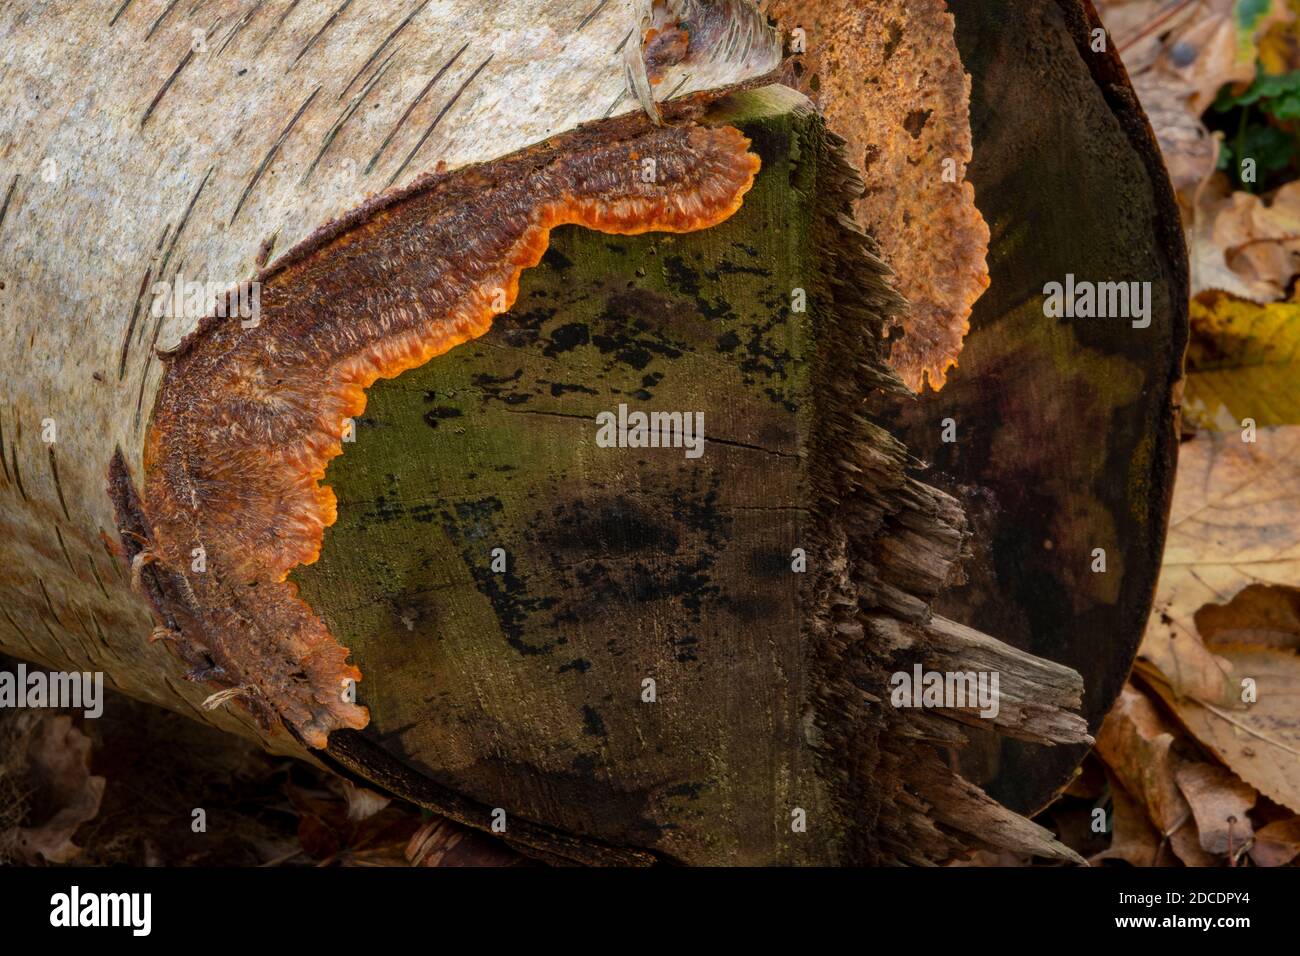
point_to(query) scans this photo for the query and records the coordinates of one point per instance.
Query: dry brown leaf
(1135, 742)
(1200, 46)
(1207, 238)
(1220, 803)
(1277, 844)
(1235, 521)
(58, 765)
(987, 858)
(1235, 524)
(1261, 744)
(362, 802)
(1260, 614)
(1204, 55)
(1248, 245)
(1193, 669)
(891, 82)
(1190, 152)
(1138, 28)
(1132, 837)
(329, 832)
(442, 843)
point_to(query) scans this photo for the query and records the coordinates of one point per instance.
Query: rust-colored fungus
(247, 419)
(890, 79)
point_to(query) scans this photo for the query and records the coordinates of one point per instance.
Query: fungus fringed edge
(247, 419)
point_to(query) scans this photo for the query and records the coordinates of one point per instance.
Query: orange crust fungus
(890, 80)
(247, 418)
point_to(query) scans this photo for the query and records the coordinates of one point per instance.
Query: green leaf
(1265, 87)
(1271, 148)
(1249, 13)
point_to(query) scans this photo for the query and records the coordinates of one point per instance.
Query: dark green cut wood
(1065, 427)
(523, 689)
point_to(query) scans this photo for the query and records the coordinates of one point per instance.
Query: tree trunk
(604, 654)
(204, 146)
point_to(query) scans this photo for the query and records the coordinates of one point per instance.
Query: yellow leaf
(1279, 47)
(1243, 363)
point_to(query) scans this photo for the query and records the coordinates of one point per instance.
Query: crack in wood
(380, 49)
(271, 154)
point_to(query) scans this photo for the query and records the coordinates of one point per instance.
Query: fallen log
(504, 602)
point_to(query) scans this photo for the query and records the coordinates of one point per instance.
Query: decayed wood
(1038, 700)
(1066, 439)
(521, 688)
(882, 546)
(1064, 430)
(202, 144)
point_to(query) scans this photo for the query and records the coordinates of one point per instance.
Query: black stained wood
(522, 685)
(1066, 436)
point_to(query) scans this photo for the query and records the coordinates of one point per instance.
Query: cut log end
(250, 413)
(633, 654)
(778, 679)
